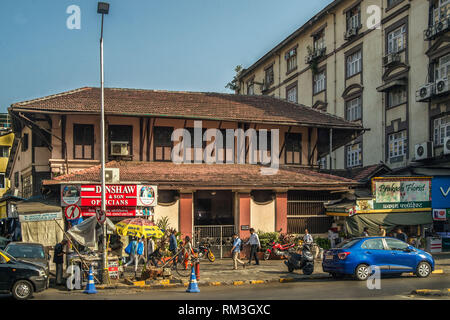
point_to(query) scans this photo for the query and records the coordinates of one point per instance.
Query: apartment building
(363, 60)
(57, 153)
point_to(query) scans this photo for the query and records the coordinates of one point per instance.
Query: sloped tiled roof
(167, 174)
(187, 105)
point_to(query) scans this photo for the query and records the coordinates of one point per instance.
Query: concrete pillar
(186, 214)
(281, 212)
(244, 214)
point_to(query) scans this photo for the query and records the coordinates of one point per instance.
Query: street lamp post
(103, 8)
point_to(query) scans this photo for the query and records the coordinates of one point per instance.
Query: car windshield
(347, 243)
(22, 251)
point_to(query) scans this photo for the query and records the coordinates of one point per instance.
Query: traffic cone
(90, 287)
(193, 285)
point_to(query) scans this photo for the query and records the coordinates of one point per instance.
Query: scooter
(279, 250)
(304, 261)
(205, 251)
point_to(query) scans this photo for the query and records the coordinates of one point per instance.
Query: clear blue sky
(190, 45)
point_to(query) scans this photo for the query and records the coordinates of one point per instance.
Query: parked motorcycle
(304, 261)
(205, 251)
(279, 249)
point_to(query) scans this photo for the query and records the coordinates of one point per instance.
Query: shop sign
(440, 192)
(364, 205)
(115, 212)
(439, 214)
(401, 193)
(40, 217)
(119, 195)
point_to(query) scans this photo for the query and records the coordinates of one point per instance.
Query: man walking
(401, 236)
(236, 250)
(254, 246)
(58, 259)
(173, 243)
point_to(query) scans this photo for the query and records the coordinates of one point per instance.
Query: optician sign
(402, 193)
(119, 195)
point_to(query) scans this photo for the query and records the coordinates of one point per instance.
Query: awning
(355, 224)
(392, 84)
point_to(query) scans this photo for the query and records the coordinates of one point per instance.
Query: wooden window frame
(75, 125)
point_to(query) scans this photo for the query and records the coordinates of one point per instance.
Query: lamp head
(103, 8)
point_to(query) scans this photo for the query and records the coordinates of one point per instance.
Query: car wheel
(22, 290)
(308, 269)
(423, 269)
(362, 272)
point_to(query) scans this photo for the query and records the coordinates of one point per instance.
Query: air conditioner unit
(112, 175)
(119, 148)
(425, 92)
(350, 33)
(391, 58)
(441, 86)
(447, 145)
(423, 150)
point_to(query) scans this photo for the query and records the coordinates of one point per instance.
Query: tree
(234, 84)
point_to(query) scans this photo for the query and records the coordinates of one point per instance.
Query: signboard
(113, 212)
(401, 193)
(440, 192)
(439, 214)
(72, 212)
(70, 194)
(101, 216)
(40, 217)
(119, 195)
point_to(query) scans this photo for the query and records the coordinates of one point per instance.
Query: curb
(428, 292)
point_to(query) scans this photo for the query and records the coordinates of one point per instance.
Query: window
(16, 179)
(2, 181)
(323, 163)
(373, 244)
(441, 130)
(354, 63)
(27, 188)
(441, 11)
(397, 40)
(442, 68)
(354, 18)
(391, 3)
(250, 88)
(291, 60)
(123, 134)
(291, 94)
(163, 143)
(4, 151)
(354, 155)
(397, 144)
(25, 142)
(319, 41)
(396, 97)
(319, 82)
(353, 111)
(269, 77)
(83, 141)
(394, 244)
(293, 146)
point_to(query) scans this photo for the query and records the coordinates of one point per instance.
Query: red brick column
(185, 214)
(244, 214)
(281, 212)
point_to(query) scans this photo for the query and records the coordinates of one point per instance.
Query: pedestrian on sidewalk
(173, 243)
(307, 238)
(235, 251)
(58, 259)
(131, 249)
(401, 236)
(254, 246)
(140, 252)
(151, 251)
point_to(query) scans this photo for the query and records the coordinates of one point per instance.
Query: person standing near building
(235, 251)
(382, 231)
(401, 236)
(58, 259)
(254, 246)
(131, 249)
(307, 238)
(365, 232)
(173, 243)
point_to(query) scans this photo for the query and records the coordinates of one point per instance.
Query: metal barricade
(218, 237)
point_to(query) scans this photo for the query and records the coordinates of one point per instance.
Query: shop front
(441, 210)
(397, 202)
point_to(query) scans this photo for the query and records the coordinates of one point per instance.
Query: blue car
(393, 256)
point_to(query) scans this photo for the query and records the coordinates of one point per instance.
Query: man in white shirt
(307, 238)
(255, 245)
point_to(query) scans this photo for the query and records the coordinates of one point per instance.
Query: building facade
(58, 145)
(367, 61)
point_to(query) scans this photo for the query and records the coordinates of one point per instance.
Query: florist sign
(402, 193)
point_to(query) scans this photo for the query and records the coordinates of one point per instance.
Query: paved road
(391, 288)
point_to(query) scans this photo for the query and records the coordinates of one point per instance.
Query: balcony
(392, 59)
(315, 54)
(433, 90)
(437, 29)
(351, 33)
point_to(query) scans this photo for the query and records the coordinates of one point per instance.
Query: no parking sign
(72, 212)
